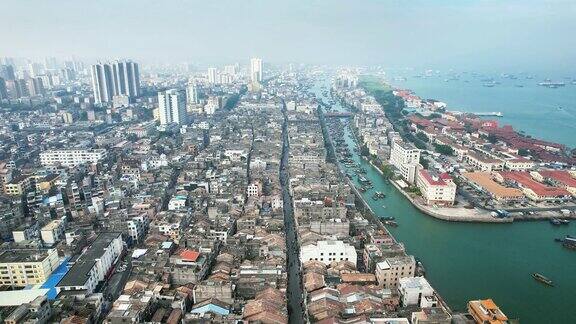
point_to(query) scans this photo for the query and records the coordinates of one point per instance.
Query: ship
(543, 279)
(568, 242)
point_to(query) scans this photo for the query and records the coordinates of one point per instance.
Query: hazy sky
(393, 33)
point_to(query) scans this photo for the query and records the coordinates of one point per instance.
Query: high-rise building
(212, 75)
(172, 107)
(35, 87)
(192, 93)
(119, 78)
(3, 89)
(231, 70)
(102, 83)
(17, 88)
(126, 78)
(7, 72)
(256, 70)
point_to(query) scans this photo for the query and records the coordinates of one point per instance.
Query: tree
(424, 162)
(423, 137)
(492, 138)
(523, 152)
(444, 149)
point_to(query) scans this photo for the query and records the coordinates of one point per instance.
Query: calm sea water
(545, 113)
(472, 261)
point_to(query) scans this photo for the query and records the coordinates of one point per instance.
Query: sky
(393, 33)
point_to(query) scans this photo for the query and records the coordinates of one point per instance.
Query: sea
(539, 111)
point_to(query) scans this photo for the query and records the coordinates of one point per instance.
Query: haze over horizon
(466, 34)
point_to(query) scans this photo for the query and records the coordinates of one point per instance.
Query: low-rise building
(93, 265)
(391, 269)
(72, 157)
(413, 290)
(486, 311)
(23, 267)
(436, 189)
(328, 252)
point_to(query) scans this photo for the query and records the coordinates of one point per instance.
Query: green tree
(444, 149)
(492, 138)
(523, 152)
(423, 137)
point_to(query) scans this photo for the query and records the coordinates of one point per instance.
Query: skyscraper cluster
(115, 79)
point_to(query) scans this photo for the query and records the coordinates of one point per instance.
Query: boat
(555, 221)
(391, 223)
(380, 194)
(388, 218)
(568, 242)
(542, 279)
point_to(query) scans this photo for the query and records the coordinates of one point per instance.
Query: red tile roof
(561, 176)
(189, 255)
(540, 189)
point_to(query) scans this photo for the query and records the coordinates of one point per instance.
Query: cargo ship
(542, 279)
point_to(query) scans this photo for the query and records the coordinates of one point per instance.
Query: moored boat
(542, 279)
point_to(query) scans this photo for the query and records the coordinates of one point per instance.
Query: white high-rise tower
(256, 70)
(119, 78)
(172, 107)
(212, 75)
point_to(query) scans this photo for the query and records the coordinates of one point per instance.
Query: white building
(192, 93)
(212, 76)
(72, 157)
(177, 203)
(414, 290)
(119, 78)
(436, 189)
(406, 158)
(391, 269)
(253, 190)
(172, 107)
(256, 70)
(328, 252)
(53, 232)
(137, 227)
(93, 265)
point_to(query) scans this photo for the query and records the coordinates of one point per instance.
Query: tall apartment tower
(102, 82)
(192, 93)
(256, 70)
(212, 75)
(119, 78)
(172, 107)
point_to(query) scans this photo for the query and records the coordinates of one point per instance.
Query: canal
(466, 261)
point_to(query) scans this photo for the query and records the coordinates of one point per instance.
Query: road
(296, 310)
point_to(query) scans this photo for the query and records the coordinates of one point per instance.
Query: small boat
(542, 279)
(555, 222)
(391, 223)
(389, 218)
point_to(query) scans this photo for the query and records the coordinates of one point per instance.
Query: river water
(476, 261)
